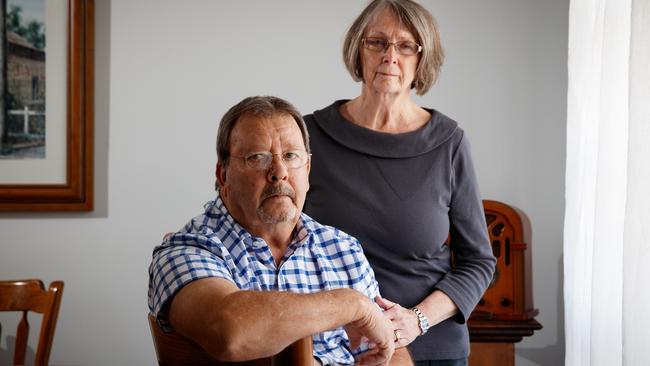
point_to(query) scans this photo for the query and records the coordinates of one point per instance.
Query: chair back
(30, 295)
(174, 349)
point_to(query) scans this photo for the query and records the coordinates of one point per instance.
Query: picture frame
(76, 193)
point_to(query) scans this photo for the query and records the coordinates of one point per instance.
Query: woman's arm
(457, 293)
(437, 307)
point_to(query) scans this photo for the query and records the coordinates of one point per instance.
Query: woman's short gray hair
(418, 21)
(259, 106)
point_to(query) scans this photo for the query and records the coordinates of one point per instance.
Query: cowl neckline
(382, 144)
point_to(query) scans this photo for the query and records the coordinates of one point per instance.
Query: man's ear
(220, 174)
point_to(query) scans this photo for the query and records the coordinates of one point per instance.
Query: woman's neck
(388, 113)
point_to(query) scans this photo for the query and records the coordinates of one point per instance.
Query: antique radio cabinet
(506, 313)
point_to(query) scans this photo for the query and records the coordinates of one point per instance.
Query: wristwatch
(423, 322)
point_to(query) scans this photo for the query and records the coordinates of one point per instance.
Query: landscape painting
(23, 79)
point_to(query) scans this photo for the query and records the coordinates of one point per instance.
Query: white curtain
(607, 218)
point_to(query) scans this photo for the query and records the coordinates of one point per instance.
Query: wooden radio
(505, 314)
(510, 293)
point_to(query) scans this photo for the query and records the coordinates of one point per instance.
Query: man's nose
(278, 171)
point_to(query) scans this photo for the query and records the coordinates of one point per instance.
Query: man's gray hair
(258, 106)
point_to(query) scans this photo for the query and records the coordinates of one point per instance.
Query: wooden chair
(172, 349)
(30, 295)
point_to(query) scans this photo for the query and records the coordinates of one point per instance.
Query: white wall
(167, 70)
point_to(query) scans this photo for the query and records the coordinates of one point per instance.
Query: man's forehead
(270, 122)
(253, 127)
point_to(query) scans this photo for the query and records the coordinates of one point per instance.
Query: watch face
(423, 322)
(424, 326)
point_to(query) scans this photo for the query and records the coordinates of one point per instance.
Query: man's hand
(378, 330)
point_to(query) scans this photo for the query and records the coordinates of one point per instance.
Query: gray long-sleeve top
(401, 195)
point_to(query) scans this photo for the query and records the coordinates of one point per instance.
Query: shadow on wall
(7, 355)
(551, 354)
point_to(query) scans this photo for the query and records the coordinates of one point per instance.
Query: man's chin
(277, 215)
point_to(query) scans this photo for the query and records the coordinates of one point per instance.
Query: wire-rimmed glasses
(262, 160)
(405, 48)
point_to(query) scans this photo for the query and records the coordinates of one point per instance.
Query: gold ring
(397, 335)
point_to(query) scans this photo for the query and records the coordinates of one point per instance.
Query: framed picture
(46, 113)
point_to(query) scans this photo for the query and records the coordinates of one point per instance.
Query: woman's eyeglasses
(405, 48)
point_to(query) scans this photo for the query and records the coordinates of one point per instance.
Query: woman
(400, 178)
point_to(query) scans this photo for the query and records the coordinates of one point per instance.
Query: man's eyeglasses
(405, 48)
(293, 159)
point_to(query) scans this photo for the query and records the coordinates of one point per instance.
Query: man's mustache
(278, 190)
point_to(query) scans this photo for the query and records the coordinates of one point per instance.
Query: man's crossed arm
(236, 325)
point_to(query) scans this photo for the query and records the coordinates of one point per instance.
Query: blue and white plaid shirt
(214, 245)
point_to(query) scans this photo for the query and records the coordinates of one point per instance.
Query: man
(252, 274)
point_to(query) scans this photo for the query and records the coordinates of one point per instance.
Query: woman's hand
(405, 321)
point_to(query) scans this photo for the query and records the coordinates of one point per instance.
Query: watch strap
(423, 321)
